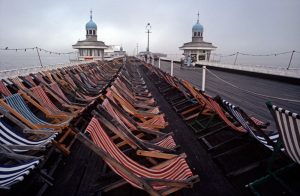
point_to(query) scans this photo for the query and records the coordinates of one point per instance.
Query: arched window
(195, 34)
(90, 32)
(198, 33)
(94, 32)
(87, 32)
(201, 34)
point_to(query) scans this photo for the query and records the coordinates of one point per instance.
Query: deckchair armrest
(39, 131)
(26, 147)
(156, 154)
(20, 157)
(178, 183)
(157, 133)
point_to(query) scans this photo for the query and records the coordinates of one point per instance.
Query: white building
(90, 48)
(197, 50)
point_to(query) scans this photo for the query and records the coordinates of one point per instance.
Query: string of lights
(248, 54)
(39, 49)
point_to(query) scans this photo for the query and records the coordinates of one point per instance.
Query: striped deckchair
(3, 89)
(162, 179)
(13, 173)
(19, 107)
(251, 125)
(165, 141)
(288, 126)
(18, 142)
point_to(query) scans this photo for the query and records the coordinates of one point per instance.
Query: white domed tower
(197, 50)
(90, 48)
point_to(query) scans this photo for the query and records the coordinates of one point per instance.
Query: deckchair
(16, 105)
(13, 173)
(258, 138)
(151, 119)
(142, 105)
(130, 108)
(132, 123)
(252, 125)
(165, 141)
(162, 179)
(288, 126)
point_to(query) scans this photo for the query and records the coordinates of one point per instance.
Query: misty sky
(253, 26)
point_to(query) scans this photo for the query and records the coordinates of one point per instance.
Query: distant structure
(90, 48)
(114, 51)
(197, 50)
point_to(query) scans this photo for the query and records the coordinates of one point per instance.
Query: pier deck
(251, 103)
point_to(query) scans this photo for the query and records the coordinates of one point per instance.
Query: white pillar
(203, 77)
(172, 67)
(159, 62)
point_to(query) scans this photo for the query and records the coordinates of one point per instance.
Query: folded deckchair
(162, 179)
(288, 126)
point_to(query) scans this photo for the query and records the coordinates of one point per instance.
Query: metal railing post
(159, 62)
(203, 77)
(172, 65)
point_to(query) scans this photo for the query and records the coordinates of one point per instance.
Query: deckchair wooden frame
(283, 119)
(143, 182)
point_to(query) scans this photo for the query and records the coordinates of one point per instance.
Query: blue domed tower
(197, 50)
(197, 31)
(90, 48)
(91, 28)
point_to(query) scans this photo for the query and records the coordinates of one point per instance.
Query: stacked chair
(239, 143)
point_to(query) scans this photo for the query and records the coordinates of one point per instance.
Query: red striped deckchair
(162, 179)
(4, 90)
(157, 119)
(167, 142)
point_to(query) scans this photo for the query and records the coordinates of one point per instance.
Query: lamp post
(148, 31)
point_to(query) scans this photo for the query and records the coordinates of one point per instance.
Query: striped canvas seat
(267, 140)
(167, 142)
(288, 125)
(177, 169)
(39, 92)
(17, 102)
(12, 174)
(8, 137)
(4, 90)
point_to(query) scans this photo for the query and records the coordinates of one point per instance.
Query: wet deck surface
(252, 104)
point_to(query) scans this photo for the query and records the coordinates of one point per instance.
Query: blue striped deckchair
(17, 102)
(288, 126)
(268, 139)
(10, 138)
(11, 174)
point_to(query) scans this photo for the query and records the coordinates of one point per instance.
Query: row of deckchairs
(106, 107)
(39, 113)
(128, 120)
(236, 130)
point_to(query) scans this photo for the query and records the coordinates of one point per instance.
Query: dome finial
(91, 16)
(198, 17)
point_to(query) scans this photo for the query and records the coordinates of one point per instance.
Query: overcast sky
(253, 26)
